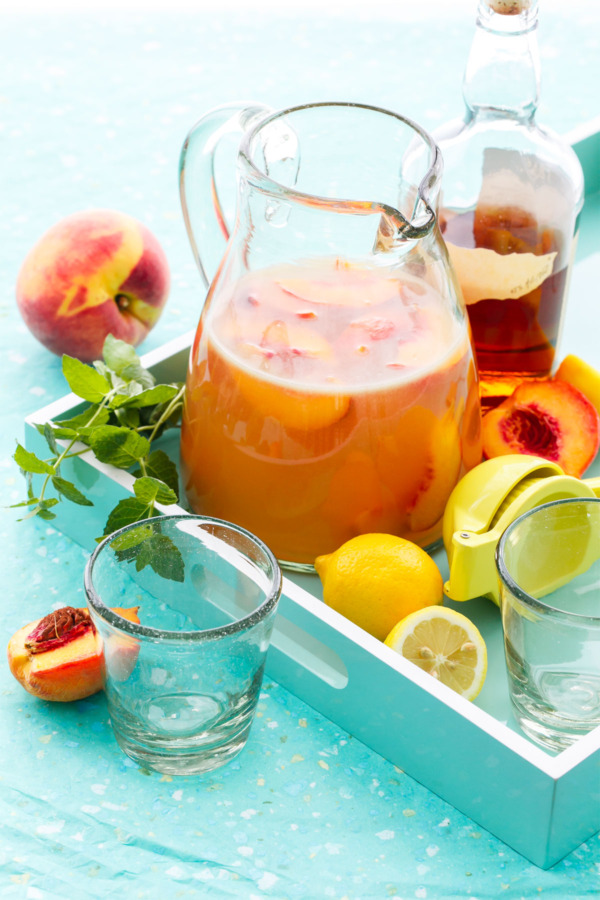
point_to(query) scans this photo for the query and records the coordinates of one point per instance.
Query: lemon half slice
(444, 643)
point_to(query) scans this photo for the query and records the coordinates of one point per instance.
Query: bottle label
(484, 274)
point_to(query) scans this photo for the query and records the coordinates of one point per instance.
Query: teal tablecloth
(93, 111)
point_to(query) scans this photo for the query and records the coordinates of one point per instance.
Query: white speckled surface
(93, 111)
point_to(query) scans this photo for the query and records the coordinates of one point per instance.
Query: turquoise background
(93, 112)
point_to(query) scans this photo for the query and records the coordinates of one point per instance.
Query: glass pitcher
(331, 388)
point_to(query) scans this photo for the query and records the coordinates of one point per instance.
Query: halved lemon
(444, 643)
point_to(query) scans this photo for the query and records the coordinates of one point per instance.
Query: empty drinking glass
(182, 685)
(548, 561)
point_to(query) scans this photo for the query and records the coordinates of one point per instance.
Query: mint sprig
(127, 411)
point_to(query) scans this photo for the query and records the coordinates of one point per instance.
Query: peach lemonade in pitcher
(326, 399)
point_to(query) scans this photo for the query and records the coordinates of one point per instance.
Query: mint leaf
(29, 482)
(100, 417)
(50, 439)
(165, 557)
(29, 462)
(164, 416)
(160, 466)
(46, 514)
(65, 434)
(118, 446)
(161, 554)
(70, 492)
(142, 555)
(118, 355)
(29, 502)
(162, 393)
(128, 541)
(125, 513)
(102, 368)
(125, 391)
(143, 544)
(124, 403)
(43, 509)
(129, 418)
(152, 490)
(122, 359)
(84, 381)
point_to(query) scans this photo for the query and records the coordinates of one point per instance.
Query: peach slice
(304, 411)
(283, 348)
(582, 376)
(443, 462)
(400, 458)
(357, 501)
(471, 427)
(551, 419)
(341, 284)
(59, 657)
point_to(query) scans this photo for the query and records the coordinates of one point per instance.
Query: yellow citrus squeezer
(482, 505)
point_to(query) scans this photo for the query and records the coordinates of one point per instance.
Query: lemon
(444, 643)
(376, 579)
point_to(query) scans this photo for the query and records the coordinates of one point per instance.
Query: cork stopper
(509, 7)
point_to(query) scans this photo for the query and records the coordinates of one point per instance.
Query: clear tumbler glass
(182, 685)
(548, 561)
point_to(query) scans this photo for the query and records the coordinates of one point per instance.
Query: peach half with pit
(94, 273)
(546, 418)
(60, 657)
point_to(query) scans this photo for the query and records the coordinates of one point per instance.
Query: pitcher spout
(393, 169)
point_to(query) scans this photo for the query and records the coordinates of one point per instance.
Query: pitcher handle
(197, 180)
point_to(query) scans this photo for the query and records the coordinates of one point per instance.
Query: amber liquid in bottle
(513, 189)
(515, 339)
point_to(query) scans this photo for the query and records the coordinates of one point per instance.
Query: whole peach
(94, 273)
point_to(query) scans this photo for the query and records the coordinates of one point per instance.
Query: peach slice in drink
(400, 459)
(471, 429)
(340, 284)
(427, 340)
(283, 349)
(370, 338)
(358, 497)
(443, 462)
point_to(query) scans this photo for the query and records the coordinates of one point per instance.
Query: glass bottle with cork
(512, 194)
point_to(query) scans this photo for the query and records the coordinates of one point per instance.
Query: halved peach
(59, 657)
(546, 418)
